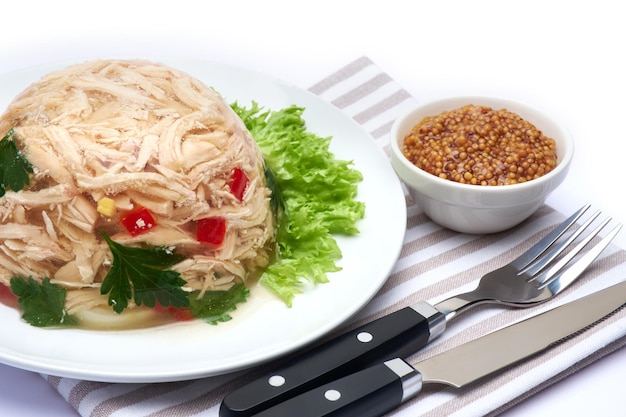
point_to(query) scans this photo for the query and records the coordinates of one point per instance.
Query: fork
(539, 274)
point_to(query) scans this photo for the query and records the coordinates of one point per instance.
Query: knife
(376, 390)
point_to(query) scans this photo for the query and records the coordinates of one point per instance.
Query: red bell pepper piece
(178, 313)
(211, 230)
(7, 297)
(138, 221)
(238, 183)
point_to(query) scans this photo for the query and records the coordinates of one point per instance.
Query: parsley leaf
(42, 304)
(276, 197)
(14, 168)
(140, 274)
(215, 305)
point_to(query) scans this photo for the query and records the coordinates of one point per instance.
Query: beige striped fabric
(434, 263)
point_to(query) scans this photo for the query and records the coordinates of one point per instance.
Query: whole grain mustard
(481, 146)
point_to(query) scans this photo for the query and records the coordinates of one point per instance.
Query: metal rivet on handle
(276, 380)
(364, 337)
(332, 395)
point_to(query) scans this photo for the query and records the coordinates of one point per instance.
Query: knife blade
(378, 389)
(397, 334)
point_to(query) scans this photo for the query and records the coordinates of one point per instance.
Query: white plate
(263, 328)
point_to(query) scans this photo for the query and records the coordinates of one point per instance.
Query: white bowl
(479, 209)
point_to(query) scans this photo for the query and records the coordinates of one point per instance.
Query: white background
(564, 56)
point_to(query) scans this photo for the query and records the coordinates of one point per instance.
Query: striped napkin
(434, 263)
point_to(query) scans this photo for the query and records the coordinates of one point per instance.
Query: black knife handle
(395, 335)
(371, 392)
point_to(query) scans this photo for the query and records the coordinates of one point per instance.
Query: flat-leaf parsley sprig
(141, 274)
(214, 306)
(15, 169)
(42, 304)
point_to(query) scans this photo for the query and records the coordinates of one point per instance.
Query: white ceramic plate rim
(263, 328)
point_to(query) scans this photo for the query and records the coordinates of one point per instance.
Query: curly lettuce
(314, 198)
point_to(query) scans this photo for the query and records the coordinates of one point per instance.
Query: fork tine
(547, 275)
(541, 246)
(569, 275)
(545, 260)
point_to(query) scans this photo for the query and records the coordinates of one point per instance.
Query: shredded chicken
(140, 134)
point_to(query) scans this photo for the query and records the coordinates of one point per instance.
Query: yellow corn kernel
(106, 206)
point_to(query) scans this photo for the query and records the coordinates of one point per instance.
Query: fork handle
(395, 335)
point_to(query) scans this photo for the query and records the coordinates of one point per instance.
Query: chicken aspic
(141, 154)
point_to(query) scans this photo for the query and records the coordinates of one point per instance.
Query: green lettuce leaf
(318, 195)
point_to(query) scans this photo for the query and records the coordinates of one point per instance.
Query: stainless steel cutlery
(539, 274)
(378, 389)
